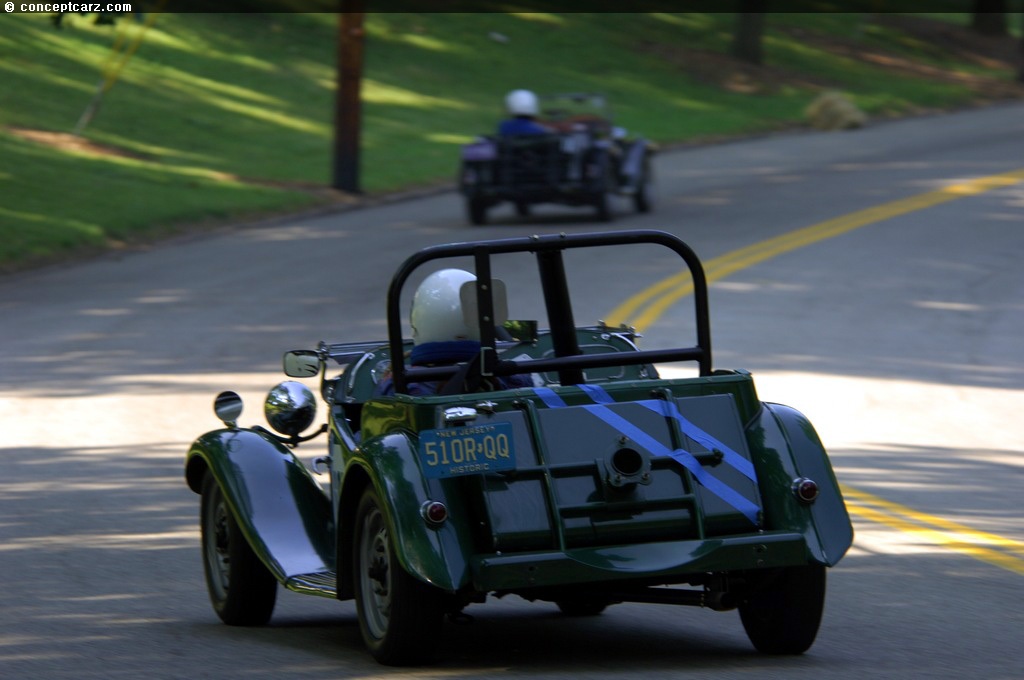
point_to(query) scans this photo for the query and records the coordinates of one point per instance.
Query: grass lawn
(218, 117)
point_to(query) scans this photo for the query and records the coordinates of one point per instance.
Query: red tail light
(434, 512)
(806, 490)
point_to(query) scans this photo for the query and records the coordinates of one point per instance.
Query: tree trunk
(1020, 72)
(989, 17)
(747, 39)
(347, 107)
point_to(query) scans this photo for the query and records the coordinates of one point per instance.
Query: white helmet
(437, 309)
(522, 103)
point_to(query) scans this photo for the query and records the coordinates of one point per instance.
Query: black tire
(602, 208)
(242, 590)
(582, 606)
(602, 199)
(642, 198)
(782, 613)
(477, 210)
(399, 616)
(522, 209)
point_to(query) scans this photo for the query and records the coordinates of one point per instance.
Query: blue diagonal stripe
(670, 410)
(549, 397)
(597, 394)
(685, 458)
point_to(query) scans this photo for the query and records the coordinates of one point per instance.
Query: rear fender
(435, 555)
(279, 506)
(786, 447)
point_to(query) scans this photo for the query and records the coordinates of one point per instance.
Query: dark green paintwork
(451, 558)
(279, 506)
(787, 447)
(506, 533)
(585, 503)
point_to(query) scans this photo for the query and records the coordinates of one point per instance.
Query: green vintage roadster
(484, 457)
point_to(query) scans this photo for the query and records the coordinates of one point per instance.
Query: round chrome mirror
(290, 408)
(228, 406)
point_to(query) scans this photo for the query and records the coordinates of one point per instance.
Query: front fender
(634, 164)
(785, 447)
(435, 555)
(279, 506)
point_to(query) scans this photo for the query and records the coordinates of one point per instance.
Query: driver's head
(437, 309)
(522, 103)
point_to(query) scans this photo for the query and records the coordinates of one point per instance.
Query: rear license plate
(468, 450)
(480, 151)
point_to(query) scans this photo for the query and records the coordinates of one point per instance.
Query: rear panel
(593, 474)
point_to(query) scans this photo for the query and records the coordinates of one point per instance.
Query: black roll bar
(568, 360)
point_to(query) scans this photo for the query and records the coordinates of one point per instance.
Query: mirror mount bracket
(293, 441)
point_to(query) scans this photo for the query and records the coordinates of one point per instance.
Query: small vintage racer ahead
(594, 482)
(585, 161)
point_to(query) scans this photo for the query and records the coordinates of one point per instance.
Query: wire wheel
(643, 198)
(242, 591)
(476, 208)
(399, 616)
(375, 573)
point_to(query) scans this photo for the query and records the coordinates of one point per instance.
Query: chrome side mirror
(302, 363)
(228, 406)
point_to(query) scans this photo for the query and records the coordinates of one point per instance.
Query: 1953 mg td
(556, 465)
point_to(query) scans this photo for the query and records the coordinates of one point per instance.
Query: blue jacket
(520, 126)
(445, 353)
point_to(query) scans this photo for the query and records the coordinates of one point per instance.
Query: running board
(322, 583)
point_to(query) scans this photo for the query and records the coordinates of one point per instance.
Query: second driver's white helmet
(522, 103)
(437, 309)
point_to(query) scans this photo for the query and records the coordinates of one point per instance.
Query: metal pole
(347, 108)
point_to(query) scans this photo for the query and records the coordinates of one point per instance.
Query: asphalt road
(899, 336)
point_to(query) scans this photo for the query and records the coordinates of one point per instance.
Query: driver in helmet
(523, 110)
(440, 334)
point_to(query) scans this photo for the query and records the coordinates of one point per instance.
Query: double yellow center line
(653, 301)
(1002, 552)
(644, 308)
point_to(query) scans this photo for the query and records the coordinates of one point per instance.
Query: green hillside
(218, 117)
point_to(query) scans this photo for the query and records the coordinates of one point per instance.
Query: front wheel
(602, 199)
(477, 210)
(602, 207)
(782, 612)
(399, 616)
(242, 590)
(643, 199)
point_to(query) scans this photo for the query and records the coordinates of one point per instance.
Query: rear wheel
(783, 611)
(477, 210)
(399, 616)
(642, 199)
(602, 207)
(602, 199)
(242, 590)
